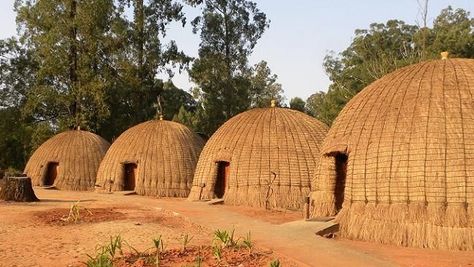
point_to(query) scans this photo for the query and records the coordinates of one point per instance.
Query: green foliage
(185, 239)
(452, 31)
(100, 260)
(106, 254)
(264, 87)
(297, 103)
(225, 238)
(173, 99)
(74, 216)
(229, 31)
(14, 139)
(198, 261)
(141, 55)
(217, 252)
(67, 39)
(96, 64)
(247, 242)
(159, 247)
(383, 48)
(275, 263)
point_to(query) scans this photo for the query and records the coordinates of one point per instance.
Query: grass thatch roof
(258, 143)
(409, 138)
(165, 154)
(78, 155)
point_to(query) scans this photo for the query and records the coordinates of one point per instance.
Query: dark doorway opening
(341, 172)
(130, 174)
(51, 174)
(223, 171)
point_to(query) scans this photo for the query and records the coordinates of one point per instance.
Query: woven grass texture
(409, 138)
(77, 155)
(272, 153)
(165, 154)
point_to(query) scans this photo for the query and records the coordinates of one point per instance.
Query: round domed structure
(398, 163)
(67, 161)
(264, 157)
(154, 158)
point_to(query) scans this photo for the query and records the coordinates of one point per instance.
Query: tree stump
(17, 189)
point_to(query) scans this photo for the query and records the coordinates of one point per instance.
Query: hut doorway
(223, 171)
(130, 174)
(51, 173)
(341, 173)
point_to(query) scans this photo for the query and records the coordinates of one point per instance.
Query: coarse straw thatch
(165, 154)
(77, 155)
(271, 154)
(409, 143)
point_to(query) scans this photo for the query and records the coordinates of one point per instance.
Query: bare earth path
(27, 238)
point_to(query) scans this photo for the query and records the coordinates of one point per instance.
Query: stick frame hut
(270, 153)
(409, 142)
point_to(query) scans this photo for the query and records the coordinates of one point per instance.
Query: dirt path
(28, 236)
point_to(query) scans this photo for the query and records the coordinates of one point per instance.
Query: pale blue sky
(301, 33)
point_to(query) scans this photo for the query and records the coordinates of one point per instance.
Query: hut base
(322, 204)
(438, 226)
(158, 192)
(279, 197)
(17, 189)
(198, 193)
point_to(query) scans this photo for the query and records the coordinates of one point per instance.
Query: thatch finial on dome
(159, 108)
(444, 55)
(273, 103)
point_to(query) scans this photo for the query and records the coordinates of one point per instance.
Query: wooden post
(306, 208)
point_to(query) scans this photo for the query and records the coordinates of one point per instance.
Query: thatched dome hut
(398, 163)
(264, 157)
(68, 160)
(154, 158)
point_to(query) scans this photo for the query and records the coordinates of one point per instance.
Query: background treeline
(96, 63)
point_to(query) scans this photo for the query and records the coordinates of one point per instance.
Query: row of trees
(385, 47)
(96, 64)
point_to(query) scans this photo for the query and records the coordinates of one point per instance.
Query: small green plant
(185, 239)
(225, 238)
(106, 254)
(159, 246)
(135, 251)
(198, 261)
(115, 245)
(74, 215)
(217, 252)
(247, 242)
(275, 263)
(102, 259)
(221, 236)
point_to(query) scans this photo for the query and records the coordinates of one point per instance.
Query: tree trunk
(76, 109)
(17, 189)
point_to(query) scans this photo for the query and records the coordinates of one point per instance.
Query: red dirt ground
(60, 216)
(176, 257)
(33, 234)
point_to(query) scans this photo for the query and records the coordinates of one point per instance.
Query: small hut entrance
(130, 173)
(51, 173)
(341, 171)
(223, 170)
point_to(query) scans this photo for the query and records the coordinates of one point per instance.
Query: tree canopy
(107, 65)
(384, 47)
